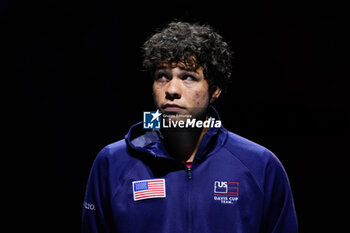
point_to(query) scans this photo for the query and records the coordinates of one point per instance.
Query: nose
(173, 90)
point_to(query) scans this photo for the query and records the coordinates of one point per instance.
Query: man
(191, 175)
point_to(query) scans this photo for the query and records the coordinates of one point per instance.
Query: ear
(215, 94)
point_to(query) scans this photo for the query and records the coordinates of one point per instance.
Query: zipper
(189, 173)
(189, 194)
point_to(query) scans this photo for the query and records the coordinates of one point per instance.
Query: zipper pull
(189, 173)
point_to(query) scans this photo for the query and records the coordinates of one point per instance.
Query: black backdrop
(79, 86)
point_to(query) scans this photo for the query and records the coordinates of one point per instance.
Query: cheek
(156, 93)
(200, 98)
(156, 89)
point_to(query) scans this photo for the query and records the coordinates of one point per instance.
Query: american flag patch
(145, 189)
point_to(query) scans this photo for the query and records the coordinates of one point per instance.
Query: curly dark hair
(194, 45)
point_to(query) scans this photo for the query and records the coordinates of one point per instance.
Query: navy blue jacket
(233, 186)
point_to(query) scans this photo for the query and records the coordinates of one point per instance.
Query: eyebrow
(166, 68)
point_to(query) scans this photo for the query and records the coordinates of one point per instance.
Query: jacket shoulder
(112, 156)
(112, 150)
(259, 160)
(246, 149)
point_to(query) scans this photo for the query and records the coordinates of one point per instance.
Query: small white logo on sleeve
(89, 206)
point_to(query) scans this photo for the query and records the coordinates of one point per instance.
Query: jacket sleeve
(279, 212)
(95, 215)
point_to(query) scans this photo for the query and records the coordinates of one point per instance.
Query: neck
(183, 144)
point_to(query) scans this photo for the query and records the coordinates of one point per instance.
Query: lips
(172, 107)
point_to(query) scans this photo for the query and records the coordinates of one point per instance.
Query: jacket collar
(150, 141)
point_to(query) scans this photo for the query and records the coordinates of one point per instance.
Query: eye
(189, 78)
(160, 77)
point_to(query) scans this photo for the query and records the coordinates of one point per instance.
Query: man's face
(181, 91)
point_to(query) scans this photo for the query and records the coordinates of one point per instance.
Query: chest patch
(226, 192)
(145, 189)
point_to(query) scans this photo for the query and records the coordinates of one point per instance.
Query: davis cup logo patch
(145, 189)
(226, 192)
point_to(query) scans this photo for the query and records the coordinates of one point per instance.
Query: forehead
(189, 64)
(182, 68)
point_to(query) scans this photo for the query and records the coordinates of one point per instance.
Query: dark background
(78, 86)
